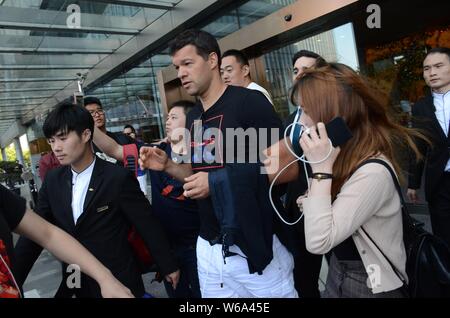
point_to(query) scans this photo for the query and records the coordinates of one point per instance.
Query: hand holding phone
(280, 154)
(337, 131)
(321, 146)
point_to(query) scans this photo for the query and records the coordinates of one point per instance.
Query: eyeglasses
(97, 112)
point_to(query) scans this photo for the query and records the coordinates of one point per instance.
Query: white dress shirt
(442, 104)
(80, 185)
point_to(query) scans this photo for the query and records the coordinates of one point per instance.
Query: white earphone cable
(302, 159)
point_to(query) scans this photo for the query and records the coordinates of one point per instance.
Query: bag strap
(404, 210)
(405, 213)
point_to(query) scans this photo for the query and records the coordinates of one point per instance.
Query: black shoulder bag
(427, 256)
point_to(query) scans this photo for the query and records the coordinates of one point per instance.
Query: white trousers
(233, 280)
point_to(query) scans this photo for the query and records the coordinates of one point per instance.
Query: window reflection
(337, 45)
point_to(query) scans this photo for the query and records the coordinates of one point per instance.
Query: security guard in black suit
(96, 202)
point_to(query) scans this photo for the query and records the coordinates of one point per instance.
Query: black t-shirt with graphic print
(238, 107)
(12, 210)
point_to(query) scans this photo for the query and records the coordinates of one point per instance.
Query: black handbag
(427, 256)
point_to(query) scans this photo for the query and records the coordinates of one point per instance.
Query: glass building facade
(133, 97)
(329, 45)
(40, 57)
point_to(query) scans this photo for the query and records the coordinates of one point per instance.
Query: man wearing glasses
(95, 108)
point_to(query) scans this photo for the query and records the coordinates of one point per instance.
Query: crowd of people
(211, 228)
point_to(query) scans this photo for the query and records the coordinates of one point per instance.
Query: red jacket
(47, 163)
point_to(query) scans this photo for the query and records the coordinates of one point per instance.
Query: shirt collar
(437, 95)
(86, 171)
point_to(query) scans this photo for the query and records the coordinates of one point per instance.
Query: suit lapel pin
(91, 190)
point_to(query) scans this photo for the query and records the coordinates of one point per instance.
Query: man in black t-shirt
(95, 108)
(14, 216)
(224, 271)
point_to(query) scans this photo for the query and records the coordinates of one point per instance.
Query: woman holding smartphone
(353, 209)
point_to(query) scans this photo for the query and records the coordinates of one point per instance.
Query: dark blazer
(297, 187)
(436, 156)
(113, 202)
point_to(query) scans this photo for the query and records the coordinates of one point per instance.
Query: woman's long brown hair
(338, 91)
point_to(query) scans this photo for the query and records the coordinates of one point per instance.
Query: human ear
(213, 60)
(87, 135)
(246, 70)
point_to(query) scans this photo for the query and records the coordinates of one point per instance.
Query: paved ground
(45, 276)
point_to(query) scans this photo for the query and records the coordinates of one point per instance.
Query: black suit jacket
(436, 156)
(292, 237)
(113, 202)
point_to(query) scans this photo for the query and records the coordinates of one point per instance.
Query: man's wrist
(169, 165)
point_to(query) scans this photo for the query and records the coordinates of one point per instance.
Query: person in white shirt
(432, 115)
(99, 204)
(235, 70)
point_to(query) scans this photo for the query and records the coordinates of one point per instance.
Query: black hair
(185, 104)
(204, 42)
(68, 117)
(92, 100)
(320, 61)
(131, 127)
(441, 50)
(241, 58)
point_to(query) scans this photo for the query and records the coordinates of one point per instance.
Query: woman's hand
(316, 147)
(112, 288)
(300, 201)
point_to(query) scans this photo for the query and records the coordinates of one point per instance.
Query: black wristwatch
(322, 176)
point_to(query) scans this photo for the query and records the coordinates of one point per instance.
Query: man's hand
(413, 196)
(196, 186)
(152, 158)
(173, 279)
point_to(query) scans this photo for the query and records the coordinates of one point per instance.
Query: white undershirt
(257, 87)
(80, 185)
(442, 105)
